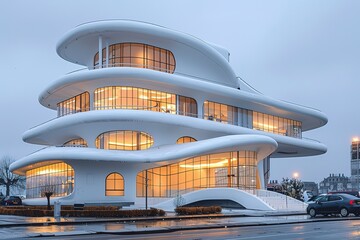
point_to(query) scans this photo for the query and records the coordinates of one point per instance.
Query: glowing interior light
(143, 97)
(99, 90)
(355, 139)
(129, 144)
(265, 125)
(47, 171)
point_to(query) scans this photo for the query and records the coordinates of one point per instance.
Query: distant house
(312, 187)
(335, 183)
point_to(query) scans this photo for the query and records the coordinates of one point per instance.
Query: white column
(100, 51)
(107, 53)
(177, 105)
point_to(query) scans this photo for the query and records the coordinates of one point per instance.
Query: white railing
(278, 201)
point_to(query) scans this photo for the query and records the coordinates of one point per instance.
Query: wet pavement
(12, 227)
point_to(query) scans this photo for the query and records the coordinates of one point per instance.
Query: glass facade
(79, 103)
(58, 178)
(114, 185)
(79, 142)
(187, 106)
(134, 98)
(185, 139)
(117, 97)
(229, 169)
(137, 55)
(251, 119)
(220, 112)
(277, 125)
(124, 140)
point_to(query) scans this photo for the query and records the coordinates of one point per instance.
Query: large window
(79, 103)
(230, 169)
(114, 185)
(251, 119)
(58, 178)
(277, 125)
(220, 112)
(137, 55)
(124, 140)
(134, 98)
(187, 106)
(117, 97)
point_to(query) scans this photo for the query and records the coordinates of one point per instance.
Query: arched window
(185, 139)
(114, 185)
(137, 55)
(124, 140)
(79, 142)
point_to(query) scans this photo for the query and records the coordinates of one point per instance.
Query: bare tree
(48, 192)
(9, 179)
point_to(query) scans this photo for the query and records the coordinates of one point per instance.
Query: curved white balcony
(161, 155)
(200, 90)
(165, 128)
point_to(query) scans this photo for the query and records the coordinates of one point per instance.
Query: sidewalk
(21, 227)
(12, 220)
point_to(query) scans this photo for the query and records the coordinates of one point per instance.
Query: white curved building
(161, 114)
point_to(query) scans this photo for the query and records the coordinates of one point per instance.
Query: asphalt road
(349, 229)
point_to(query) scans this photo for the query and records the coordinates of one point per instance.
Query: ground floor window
(57, 178)
(114, 185)
(229, 169)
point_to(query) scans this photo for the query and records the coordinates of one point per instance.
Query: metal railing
(134, 65)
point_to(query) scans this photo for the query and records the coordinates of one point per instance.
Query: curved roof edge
(106, 26)
(167, 154)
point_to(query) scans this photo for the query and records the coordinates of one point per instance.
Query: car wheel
(344, 212)
(312, 212)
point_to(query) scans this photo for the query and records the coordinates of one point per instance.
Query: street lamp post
(146, 189)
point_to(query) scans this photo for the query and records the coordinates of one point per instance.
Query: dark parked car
(354, 193)
(342, 204)
(11, 200)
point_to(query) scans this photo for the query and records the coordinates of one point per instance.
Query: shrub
(197, 210)
(68, 211)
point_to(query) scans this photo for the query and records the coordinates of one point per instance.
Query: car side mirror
(318, 202)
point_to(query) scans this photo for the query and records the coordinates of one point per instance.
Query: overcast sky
(306, 52)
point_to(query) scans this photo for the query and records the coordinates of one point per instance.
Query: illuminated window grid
(277, 125)
(79, 103)
(58, 177)
(114, 185)
(117, 97)
(121, 97)
(124, 140)
(260, 121)
(138, 55)
(220, 112)
(231, 169)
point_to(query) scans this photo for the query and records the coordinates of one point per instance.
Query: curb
(126, 220)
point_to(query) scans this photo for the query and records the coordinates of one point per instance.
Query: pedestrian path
(24, 227)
